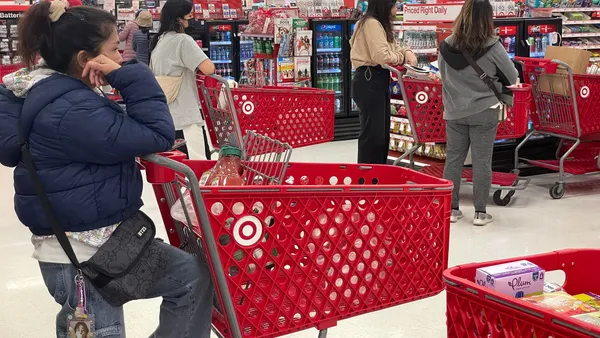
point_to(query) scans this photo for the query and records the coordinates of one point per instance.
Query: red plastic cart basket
(566, 106)
(297, 116)
(425, 109)
(474, 311)
(337, 241)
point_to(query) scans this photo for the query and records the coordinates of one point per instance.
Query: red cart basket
(425, 110)
(334, 242)
(474, 311)
(566, 107)
(297, 116)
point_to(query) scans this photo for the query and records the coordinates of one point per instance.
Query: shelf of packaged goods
(576, 9)
(329, 50)
(329, 71)
(221, 61)
(581, 22)
(581, 35)
(220, 43)
(595, 59)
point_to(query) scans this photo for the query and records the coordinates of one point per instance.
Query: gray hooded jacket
(463, 92)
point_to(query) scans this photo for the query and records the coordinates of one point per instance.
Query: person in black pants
(372, 46)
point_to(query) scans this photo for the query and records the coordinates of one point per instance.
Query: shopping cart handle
(549, 66)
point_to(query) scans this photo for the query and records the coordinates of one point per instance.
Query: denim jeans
(186, 310)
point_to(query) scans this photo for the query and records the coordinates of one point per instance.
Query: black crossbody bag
(503, 109)
(127, 266)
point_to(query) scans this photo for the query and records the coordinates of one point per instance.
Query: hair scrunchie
(57, 9)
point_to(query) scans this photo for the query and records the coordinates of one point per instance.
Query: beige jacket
(371, 48)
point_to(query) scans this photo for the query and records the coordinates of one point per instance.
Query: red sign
(506, 30)
(220, 28)
(541, 29)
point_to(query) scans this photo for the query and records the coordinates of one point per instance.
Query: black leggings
(371, 92)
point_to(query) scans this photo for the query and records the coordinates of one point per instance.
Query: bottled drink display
(537, 45)
(224, 70)
(330, 62)
(220, 53)
(330, 82)
(329, 40)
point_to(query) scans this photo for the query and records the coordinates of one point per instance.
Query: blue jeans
(186, 310)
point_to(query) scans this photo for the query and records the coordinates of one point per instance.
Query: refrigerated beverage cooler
(353, 108)
(538, 33)
(329, 63)
(225, 49)
(510, 32)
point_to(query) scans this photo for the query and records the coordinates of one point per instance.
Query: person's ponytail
(34, 32)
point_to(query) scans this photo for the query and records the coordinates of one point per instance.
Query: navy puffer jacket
(84, 147)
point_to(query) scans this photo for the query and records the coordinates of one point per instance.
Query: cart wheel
(503, 201)
(557, 191)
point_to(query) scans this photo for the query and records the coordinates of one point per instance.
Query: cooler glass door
(509, 36)
(221, 49)
(329, 60)
(539, 35)
(245, 50)
(352, 105)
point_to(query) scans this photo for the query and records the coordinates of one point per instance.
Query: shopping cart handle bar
(398, 70)
(549, 65)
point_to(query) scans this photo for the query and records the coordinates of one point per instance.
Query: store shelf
(581, 22)
(399, 119)
(220, 43)
(580, 35)
(585, 47)
(576, 9)
(221, 61)
(329, 50)
(329, 71)
(425, 51)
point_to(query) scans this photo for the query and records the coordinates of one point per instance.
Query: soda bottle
(544, 43)
(337, 41)
(538, 44)
(320, 41)
(331, 82)
(227, 36)
(336, 61)
(320, 62)
(513, 44)
(330, 41)
(507, 44)
(339, 83)
(228, 170)
(531, 42)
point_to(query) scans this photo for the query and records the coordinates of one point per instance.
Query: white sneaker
(455, 216)
(482, 218)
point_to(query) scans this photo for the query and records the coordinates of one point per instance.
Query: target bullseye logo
(248, 107)
(422, 97)
(247, 231)
(584, 92)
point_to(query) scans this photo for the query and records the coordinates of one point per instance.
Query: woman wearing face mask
(372, 46)
(84, 149)
(176, 55)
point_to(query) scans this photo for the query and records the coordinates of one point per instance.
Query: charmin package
(561, 302)
(516, 279)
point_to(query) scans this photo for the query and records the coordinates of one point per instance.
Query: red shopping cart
(325, 243)
(298, 116)
(425, 111)
(565, 107)
(474, 311)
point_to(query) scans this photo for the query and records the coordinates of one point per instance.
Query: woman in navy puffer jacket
(84, 148)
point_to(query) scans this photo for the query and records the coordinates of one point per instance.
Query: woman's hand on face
(97, 68)
(410, 58)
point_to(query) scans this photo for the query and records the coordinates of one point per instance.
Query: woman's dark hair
(172, 11)
(474, 26)
(85, 328)
(79, 28)
(381, 10)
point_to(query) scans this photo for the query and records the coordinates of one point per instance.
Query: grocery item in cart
(591, 318)
(552, 287)
(516, 279)
(228, 170)
(561, 302)
(589, 298)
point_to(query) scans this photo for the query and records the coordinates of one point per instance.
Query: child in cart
(74, 151)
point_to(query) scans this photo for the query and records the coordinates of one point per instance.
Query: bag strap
(57, 228)
(483, 75)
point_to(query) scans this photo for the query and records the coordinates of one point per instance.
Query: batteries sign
(431, 12)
